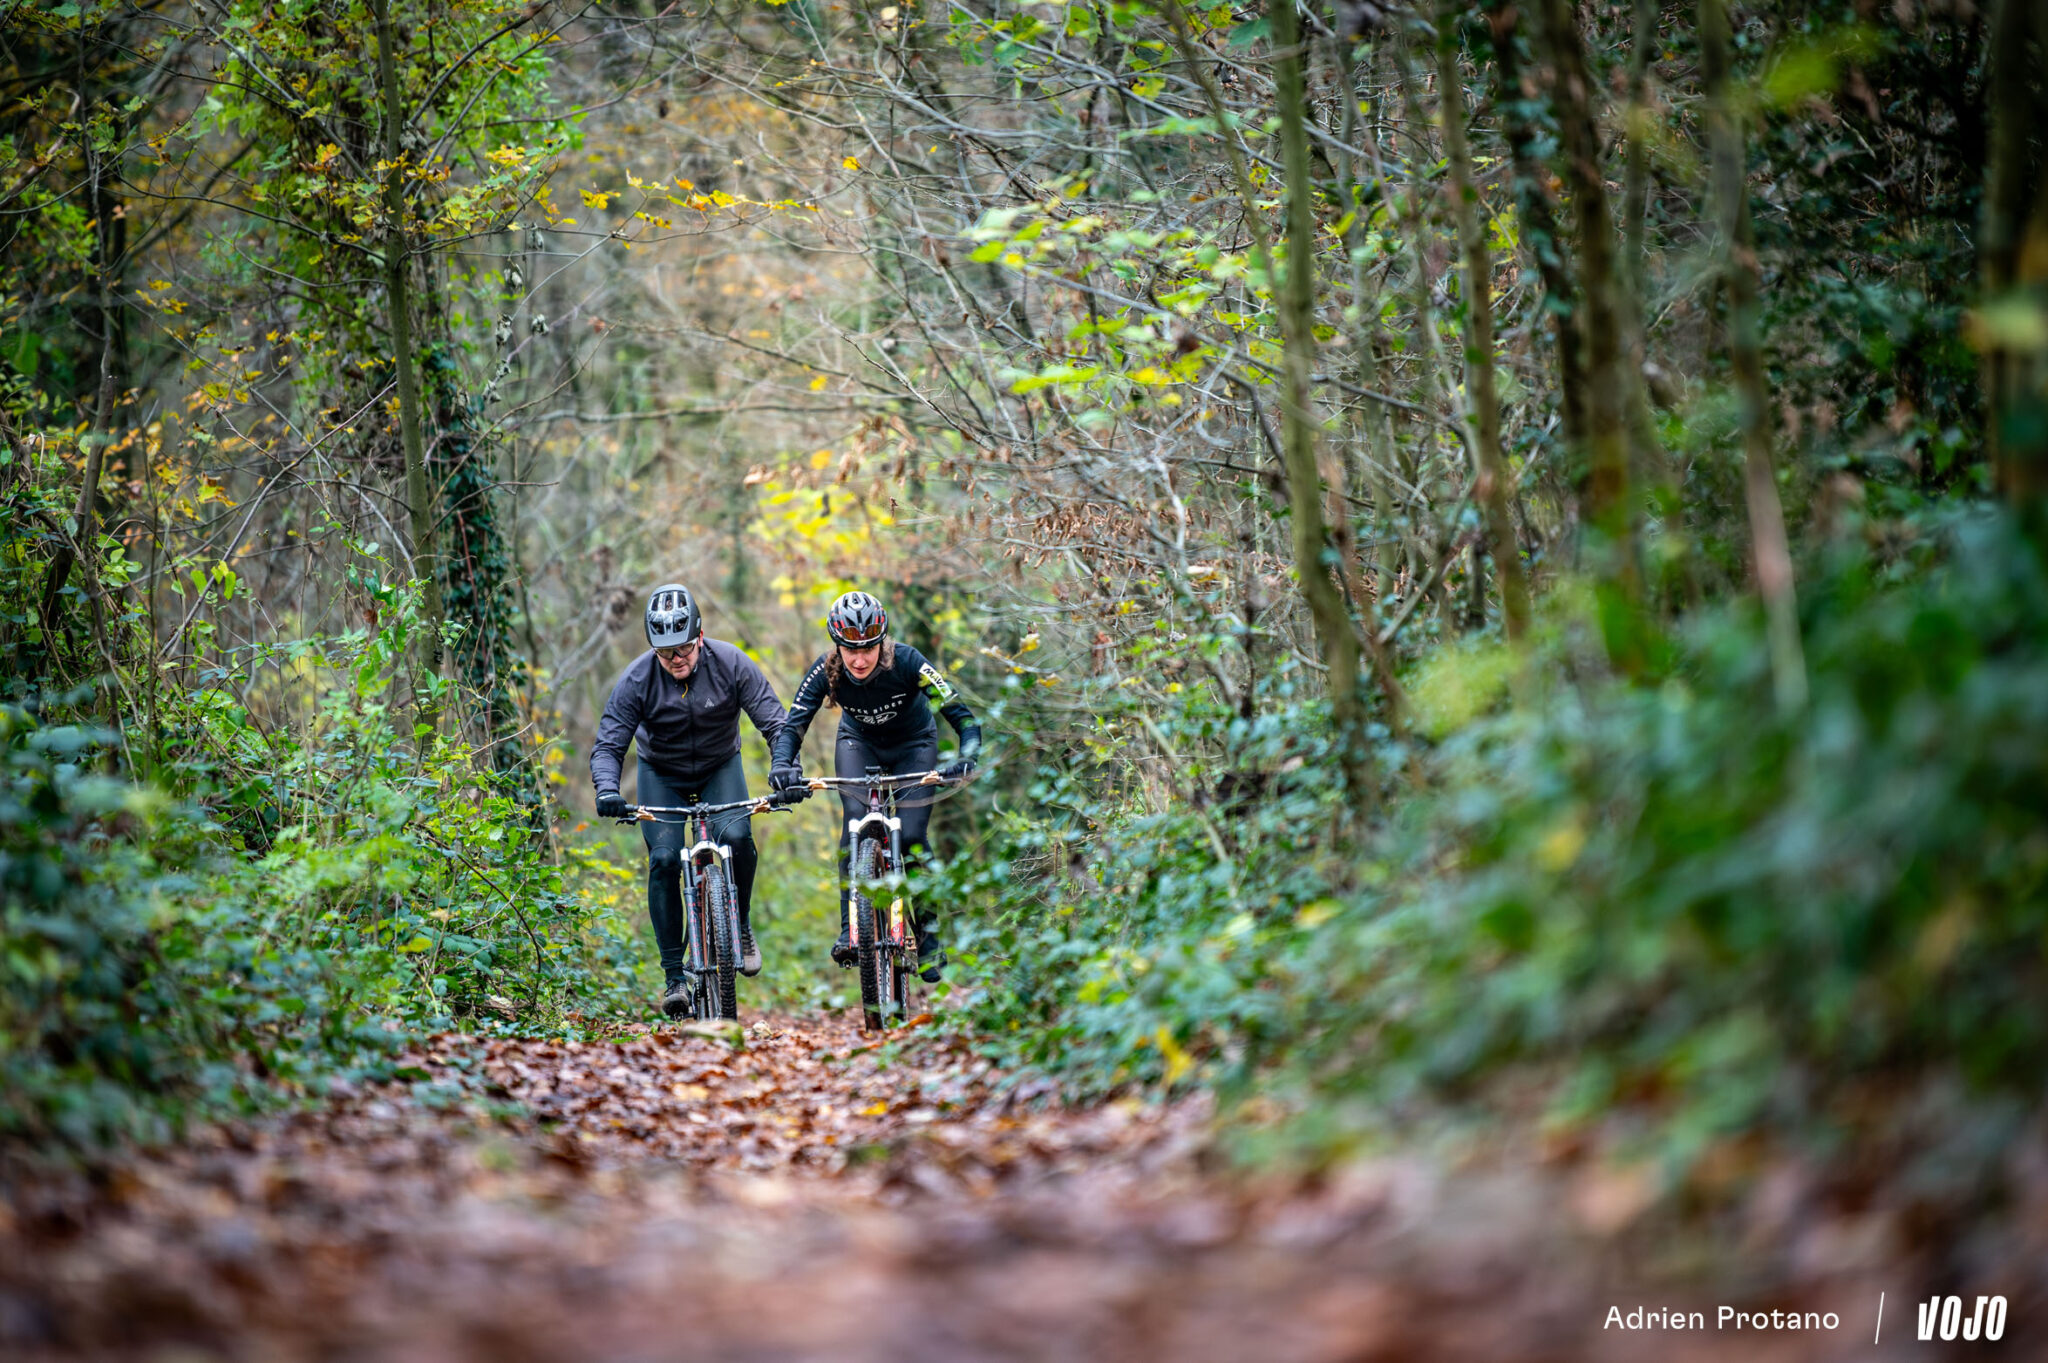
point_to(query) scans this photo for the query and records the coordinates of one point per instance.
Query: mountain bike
(711, 902)
(883, 935)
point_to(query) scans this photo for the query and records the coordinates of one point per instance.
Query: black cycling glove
(611, 805)
(788, 776)
(970, 755)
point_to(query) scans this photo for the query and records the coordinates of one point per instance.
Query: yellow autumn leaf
(851, 163)
(1178, 1061)
(595, 199)
(1561, 846)
(818, 383)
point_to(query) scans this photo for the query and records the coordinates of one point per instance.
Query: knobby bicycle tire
(724, 950)
(867, 859)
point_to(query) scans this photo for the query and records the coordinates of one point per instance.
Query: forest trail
(802, 1196)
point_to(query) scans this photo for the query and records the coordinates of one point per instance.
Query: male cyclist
(679, 703)
(882, 687)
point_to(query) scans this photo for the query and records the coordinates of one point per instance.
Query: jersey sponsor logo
(936, 682)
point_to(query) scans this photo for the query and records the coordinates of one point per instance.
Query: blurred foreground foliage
(203, 914)
(1658, 902)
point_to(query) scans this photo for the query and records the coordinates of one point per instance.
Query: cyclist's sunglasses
(854, 636)
(680, 650)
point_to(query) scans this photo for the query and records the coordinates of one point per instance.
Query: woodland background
(1500, 546)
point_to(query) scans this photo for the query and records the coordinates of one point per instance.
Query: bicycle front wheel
(862, 920)
(718, 904)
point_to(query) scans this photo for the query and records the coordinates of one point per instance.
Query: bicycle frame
(898, 936)
(703, 857)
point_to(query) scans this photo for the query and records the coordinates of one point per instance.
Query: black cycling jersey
(685, 729)
(889, 709)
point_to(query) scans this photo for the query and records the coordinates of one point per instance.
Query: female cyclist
(881, 687)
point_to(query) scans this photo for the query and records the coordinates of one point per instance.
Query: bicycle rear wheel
(863, 922)
(724, 998)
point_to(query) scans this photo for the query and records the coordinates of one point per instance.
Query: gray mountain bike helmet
(672, 618)
(857, 620)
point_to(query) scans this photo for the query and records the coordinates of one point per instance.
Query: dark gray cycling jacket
(685, 729)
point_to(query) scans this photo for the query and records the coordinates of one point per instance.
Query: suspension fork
(884, 814)
(897, 929)
(710, 858)
(693, 924)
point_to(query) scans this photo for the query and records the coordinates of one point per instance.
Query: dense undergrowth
(1657, 903)
(207, 914)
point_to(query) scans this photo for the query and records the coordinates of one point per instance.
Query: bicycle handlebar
(759, 804)
(911, 778)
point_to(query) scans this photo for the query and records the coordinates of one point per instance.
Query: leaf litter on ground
(802, 1194)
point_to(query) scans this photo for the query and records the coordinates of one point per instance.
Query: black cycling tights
(666, 843)
(852, 756)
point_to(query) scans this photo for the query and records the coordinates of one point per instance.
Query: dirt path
(668, 1197)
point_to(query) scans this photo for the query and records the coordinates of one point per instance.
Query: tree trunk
(1604, 485)
(1635, 191)
(1649, 458)
(1772, 553)
(1481, 396)
(398, 297)
(1298, 422)
(2013, 265)
(1335, 634)
(1541, 236)
(80, 549)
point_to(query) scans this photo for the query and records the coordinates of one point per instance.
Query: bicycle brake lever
(931, 778)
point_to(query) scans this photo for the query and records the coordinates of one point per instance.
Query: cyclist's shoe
(679, 1000)
(931, 957)
(843, 953)
(750, 955)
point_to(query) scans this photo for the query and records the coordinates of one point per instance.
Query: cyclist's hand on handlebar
(958, 770)
(612, 805)
(789, 776)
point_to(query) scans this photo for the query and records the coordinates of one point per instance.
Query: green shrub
(1661, 895)
(276, 904)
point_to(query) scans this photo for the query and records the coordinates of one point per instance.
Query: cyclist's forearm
(614, 733)
(605, 769)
